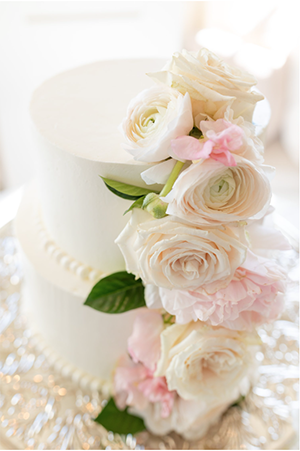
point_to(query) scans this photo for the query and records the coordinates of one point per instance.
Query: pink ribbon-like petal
(223, 156)
(189, 148)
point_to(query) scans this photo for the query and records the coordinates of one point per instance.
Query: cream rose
(206, 363)
(212, 84)
(208, 192)
(191, 419)
(155, 117)
(170, 253)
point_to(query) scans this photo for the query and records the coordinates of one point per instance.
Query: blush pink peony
(136, 386)
(134, 383)
(144, 342)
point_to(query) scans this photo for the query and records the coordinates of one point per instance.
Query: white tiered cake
(68, 220)
(191, 245)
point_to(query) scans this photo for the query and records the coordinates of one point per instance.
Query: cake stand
(42, 409)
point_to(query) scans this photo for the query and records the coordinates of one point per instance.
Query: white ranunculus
(212, 84)
(171, 253)
(208, 192)
(155, 117)
(206, 363)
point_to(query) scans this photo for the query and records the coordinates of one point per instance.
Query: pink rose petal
(144, 342)
(155, 389)
(127, 377)
(135, 385)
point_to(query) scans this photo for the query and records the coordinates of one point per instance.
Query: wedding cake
(178, 283)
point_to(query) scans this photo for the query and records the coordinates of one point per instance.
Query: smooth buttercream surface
(76, 116)
(80, 110)
(54, 303)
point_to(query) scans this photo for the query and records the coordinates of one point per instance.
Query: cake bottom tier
(82, 341)
(42, 409)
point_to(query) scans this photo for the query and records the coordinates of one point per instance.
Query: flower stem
(171, 180)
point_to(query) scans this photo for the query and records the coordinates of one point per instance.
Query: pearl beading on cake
(67, 262)
(81, 378)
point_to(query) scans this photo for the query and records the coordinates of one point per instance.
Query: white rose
(212, 84)
(170, 253)
(155, 117)
(208, 192)
(191, 419)
(206, 363)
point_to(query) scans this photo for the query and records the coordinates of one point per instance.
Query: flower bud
(155, 206)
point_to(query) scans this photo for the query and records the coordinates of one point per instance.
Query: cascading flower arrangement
(192, 251)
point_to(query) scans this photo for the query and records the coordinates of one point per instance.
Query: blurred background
(41, 39)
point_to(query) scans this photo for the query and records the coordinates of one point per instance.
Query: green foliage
(117, 293)
(196, 133)
(125, 191)
(137, 204)
(119, 421)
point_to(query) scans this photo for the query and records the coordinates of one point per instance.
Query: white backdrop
(40, 39)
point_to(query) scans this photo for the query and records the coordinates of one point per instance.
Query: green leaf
(117, 293)
(119, 421)
(238, 402)
(137, 204)
(196, 133)
(129, 192)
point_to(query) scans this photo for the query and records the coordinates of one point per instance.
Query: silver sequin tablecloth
(41, 409)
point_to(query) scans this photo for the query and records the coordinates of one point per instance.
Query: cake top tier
(79, 111)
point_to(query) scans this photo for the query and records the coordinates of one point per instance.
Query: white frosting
(53, 300)
(60, 256)
(76, 116)
(79, 111)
